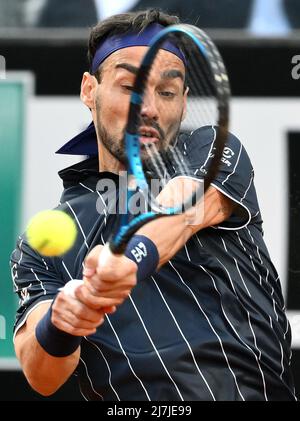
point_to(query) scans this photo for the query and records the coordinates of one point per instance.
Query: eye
(167, 94)
(127, 87)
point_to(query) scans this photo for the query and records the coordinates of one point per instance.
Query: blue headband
(132, 39)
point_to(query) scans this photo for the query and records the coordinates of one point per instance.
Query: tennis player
(208, 322)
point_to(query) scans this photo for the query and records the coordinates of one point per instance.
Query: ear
(88, 87)
(185, 102)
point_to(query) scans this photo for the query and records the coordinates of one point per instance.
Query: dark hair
(123, 23)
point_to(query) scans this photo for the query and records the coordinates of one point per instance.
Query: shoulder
(198, 146)
(206, 135)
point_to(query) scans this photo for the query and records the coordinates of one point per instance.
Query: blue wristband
(53, 340)
(144, 253)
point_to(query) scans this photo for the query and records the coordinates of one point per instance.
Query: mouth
(148, 135)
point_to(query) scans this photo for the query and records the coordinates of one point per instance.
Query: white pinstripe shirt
(210, 325)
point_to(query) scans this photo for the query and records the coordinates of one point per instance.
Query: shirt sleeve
(35, 280)
(235, 178)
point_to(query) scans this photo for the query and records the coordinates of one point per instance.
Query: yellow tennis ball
(51, 232)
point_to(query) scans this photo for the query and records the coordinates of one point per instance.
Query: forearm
(170, 233)
(45, 373)
(52, 372)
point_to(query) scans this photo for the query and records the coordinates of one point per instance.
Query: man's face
(163, 106)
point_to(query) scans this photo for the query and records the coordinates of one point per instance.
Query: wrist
(53, 340)
(144, 253)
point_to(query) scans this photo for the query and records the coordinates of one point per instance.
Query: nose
(149, 109)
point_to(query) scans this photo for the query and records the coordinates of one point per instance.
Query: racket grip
(142, 251)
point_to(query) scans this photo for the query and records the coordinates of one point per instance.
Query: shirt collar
(85, 143)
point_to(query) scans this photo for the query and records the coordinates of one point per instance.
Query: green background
(11, 148)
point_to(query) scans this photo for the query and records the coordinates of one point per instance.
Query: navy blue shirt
(209, 325)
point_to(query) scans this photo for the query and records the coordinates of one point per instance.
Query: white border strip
(7, 364)
(294, 319)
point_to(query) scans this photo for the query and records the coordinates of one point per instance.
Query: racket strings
(163, 161)
(180, 160)
(158, 167)
(204, 78)
(158, 176)
(161, 164)
(202, 104)
(201, 111)
(219, 79)
(199, 79)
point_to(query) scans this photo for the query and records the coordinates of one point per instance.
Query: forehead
(134, 56)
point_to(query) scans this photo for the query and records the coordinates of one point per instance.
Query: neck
(107, 162)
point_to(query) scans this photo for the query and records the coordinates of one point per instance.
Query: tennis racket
(207, 104)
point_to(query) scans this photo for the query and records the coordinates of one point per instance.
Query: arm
(44, 372)
(52, 372)
(171, 233)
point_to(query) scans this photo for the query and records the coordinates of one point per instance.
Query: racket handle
(105, 255)
(141, 250)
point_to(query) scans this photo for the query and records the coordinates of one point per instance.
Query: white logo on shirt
(227, 155)
(24, 295)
